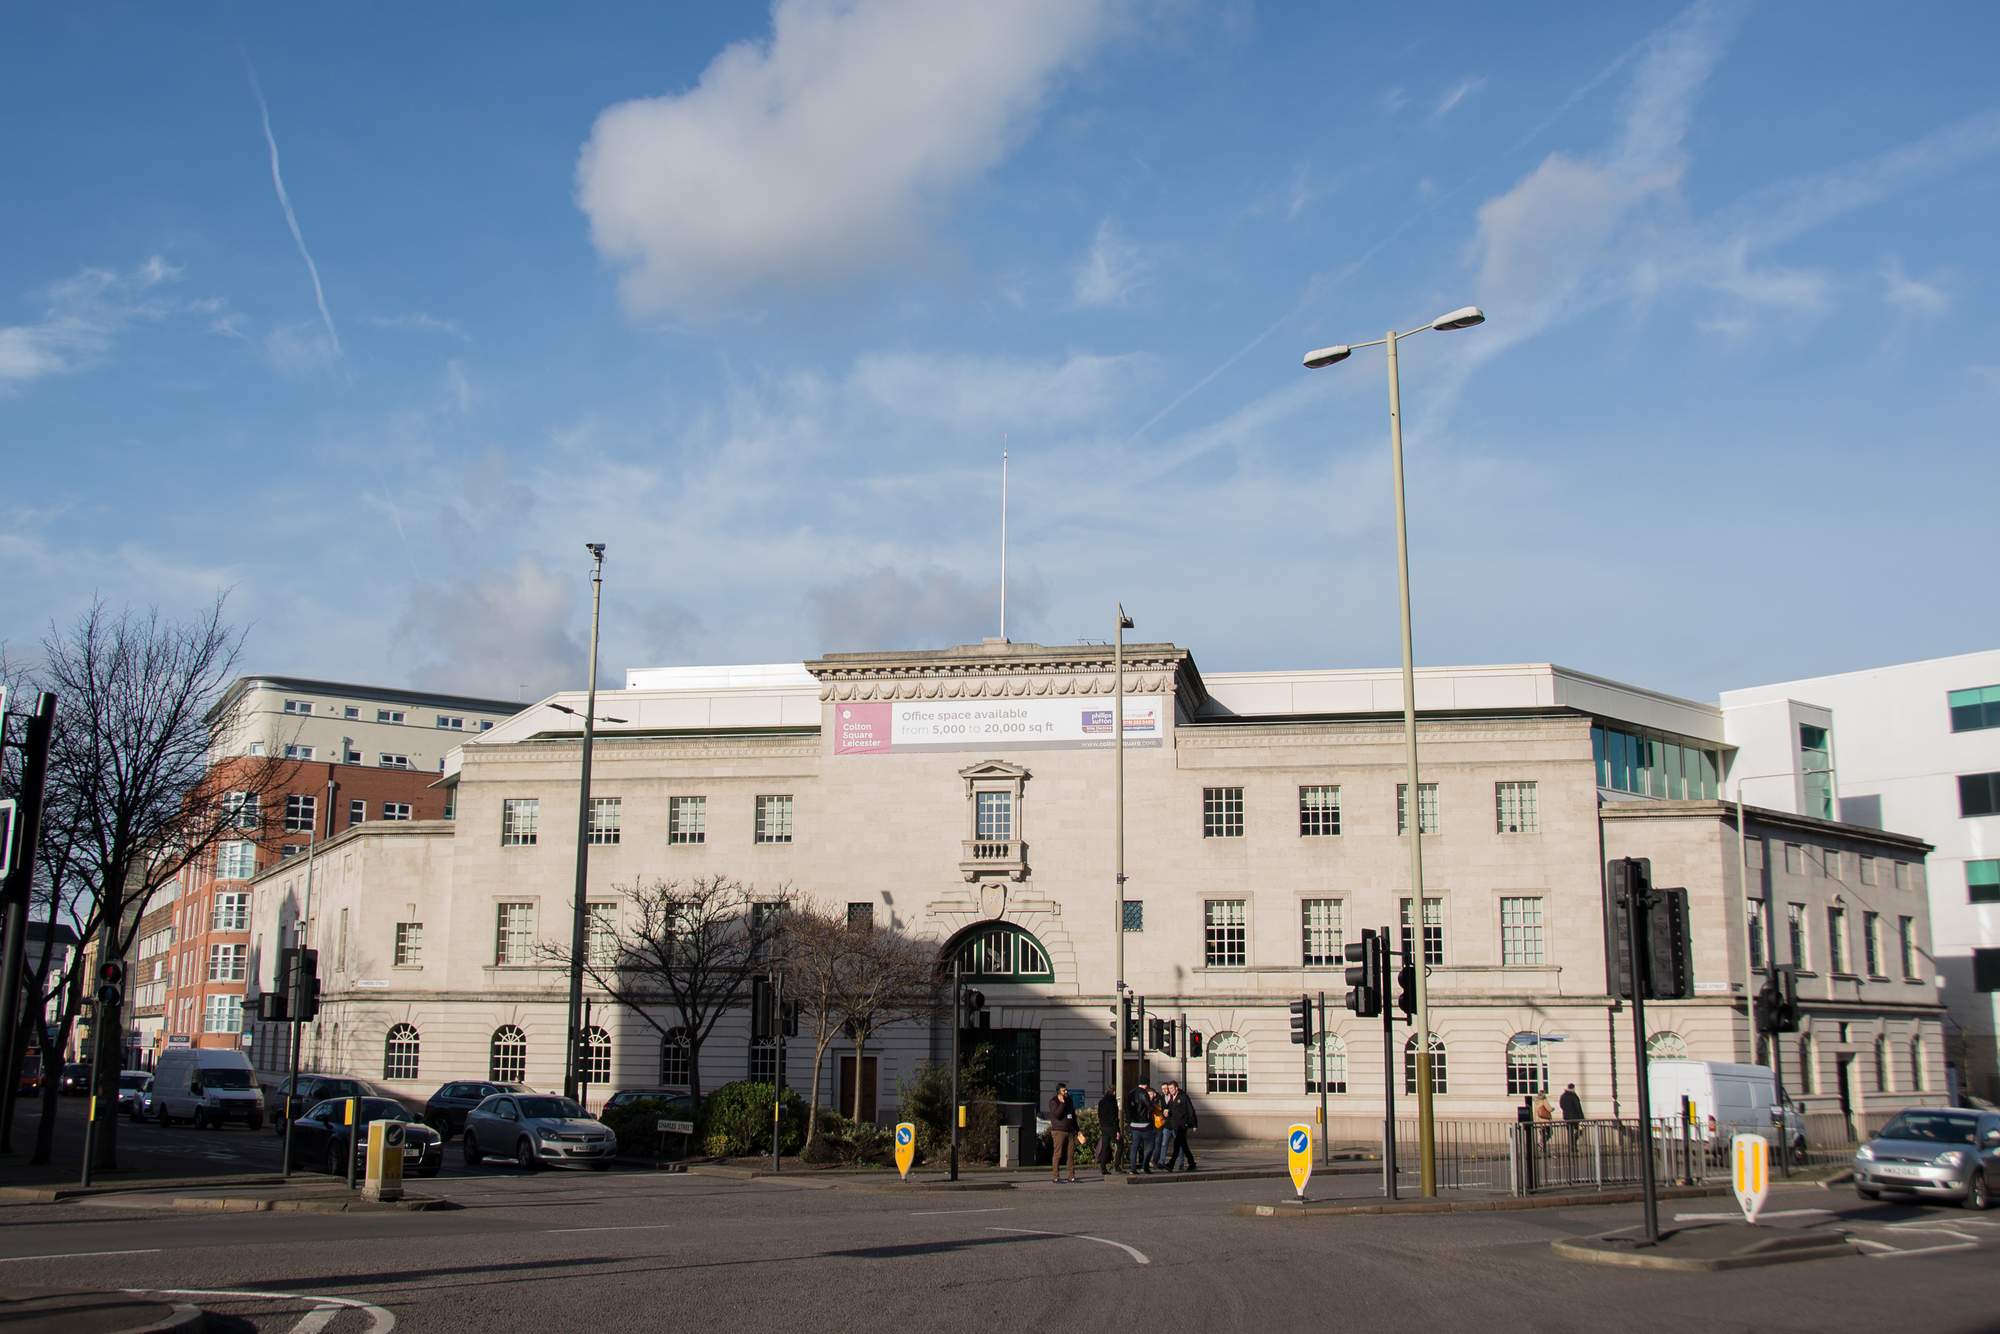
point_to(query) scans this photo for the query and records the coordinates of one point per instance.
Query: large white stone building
(1916, 748)
(965, 795)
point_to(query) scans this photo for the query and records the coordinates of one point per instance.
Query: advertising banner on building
(885, 727)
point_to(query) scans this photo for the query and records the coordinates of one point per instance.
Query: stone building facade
(965, 796)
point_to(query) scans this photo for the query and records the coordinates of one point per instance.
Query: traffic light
(1169, 1036)
(972, 1009)
(1364, 983)
(1778, 1003)
(1406, 989)
(1135, 1031)
(1302, 1022)
(302, 976)
(1155, 1034)
(1666, 964)
(271, 1008)
(110, 984)
(1194, 1045)
(1121, 1025)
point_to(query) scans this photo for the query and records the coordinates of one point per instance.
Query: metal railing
(1600, 1155)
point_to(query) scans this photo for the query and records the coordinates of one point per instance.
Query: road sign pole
(1635, 941)
(1388, 1070)
(1320, 1037)
(353, 1129)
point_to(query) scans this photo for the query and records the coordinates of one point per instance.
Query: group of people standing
(1150, 1131)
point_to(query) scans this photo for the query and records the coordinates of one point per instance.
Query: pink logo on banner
(861, 729)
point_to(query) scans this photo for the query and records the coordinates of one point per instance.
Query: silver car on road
(1939, 1153)
(531, 1129)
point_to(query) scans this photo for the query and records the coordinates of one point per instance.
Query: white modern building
(1914, 748)
(964, 796)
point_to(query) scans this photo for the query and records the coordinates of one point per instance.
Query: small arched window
(1228, 1057)
(674, 1059)
(1666, 1046)
(1526, 1071)
(399, 1053)
(508, 1063)
(596, 1056)
(1438, 1080)
(1327, 1058)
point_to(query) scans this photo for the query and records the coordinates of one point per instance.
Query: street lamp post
(1463, 318)
(1120, 624)
(579, 927)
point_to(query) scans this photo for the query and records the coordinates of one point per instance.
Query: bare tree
(690, 946)
(133, 799)
(853, 980)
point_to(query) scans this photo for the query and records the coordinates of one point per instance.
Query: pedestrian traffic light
(972, 1008)
(1136, 1030)
(1169, 1036)
(1406, 989)
(110, 984)
(1665, 949)
(1156, 1034)
(1194, 1045)
(1121, 1026)
(761, 996)
(1364, 982)
(1780, 1000)
(1302, 1022)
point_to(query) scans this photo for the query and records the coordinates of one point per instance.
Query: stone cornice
(989, 671)
(1223, 736)
(610, 750)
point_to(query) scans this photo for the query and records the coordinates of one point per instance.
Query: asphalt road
(640, 1250)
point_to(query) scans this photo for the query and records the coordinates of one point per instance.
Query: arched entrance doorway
(991, 955)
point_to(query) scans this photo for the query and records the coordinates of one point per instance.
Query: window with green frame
(1982, 881)
(1975, 709)
(1004, 953)
(1654, 766)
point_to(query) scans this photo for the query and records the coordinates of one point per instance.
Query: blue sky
(757, 297)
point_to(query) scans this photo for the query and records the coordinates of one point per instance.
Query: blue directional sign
(1298, 1156)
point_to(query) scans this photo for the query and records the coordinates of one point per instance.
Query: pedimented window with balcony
(993, 812)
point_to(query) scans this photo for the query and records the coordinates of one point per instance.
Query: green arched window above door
(1003, 952)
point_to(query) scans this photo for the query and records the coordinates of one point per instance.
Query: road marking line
(623, 1227)
(380, 1321)
(1891, 1253)
(1735, 1213)
(935, 1213)
(1133, 1251)
(316, 1320)
(77, 1255)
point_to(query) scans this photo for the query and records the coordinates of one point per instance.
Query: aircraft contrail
(291, 217)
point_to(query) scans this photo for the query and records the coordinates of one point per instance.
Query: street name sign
(1751, 1156)
(674, 1127)
(1299, 1156)
(906, 1147)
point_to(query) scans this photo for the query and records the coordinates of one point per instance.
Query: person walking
(1545, 1118)
(1110, 1133)
(1181, 1123)
(1572, 1110)
(1062, 1133)
(1140, 1107)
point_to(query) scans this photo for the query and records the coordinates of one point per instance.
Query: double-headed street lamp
(1119, 625)
(579, 931)
(1462, 318)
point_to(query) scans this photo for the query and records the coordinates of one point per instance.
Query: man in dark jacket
(1140, 1106)
(1572, 1110)
(1062, 1133)
(1110, 1133)
(1181, 1122)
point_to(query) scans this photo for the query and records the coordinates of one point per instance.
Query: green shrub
(736, 1120)
(926, 1101)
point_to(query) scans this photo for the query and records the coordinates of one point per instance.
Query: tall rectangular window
(1427, 808)
(1975, 709)
(1867, 870)
(240, 810)
(774, 819)
(1135, 914)
(1986, 971)
(1795, 928)
(232, 911)
(520, 821)
(395, 810)
(222, 1014)
(607, 815)
(1222, 812)
(514, 935)
(1978, 794)
(235, 860)
(1906, 945)
(1795, 859)
(1515, 809)
(1225, 933)
(409, 944)
(1433, 931)
(301, 813)
(1982, 880)
(1871, 942)
(993, 817)
(1759, 928)
(1816, 767)
(225, 962)
(1836, 938)
(687, 819)
(1319, 926)
(1521, 932)
(1319, 811)
(357, 812)
(601, 945)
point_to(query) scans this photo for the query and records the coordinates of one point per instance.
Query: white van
(209, 1086)
(1728, 1100)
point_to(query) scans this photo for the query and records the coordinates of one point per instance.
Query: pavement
(636, 1249)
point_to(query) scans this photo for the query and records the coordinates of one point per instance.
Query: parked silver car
(536, 1128)
(1939, 1153)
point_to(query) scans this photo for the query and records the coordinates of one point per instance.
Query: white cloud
(418, 321)
(81, 317)
(822, 153)
(980, 395)
(1455, 95)
(1392, 101)
(1912, 296)
(300, 351)
(1112, 271)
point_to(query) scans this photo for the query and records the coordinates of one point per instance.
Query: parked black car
(445, 1110)
(322, 1138)
(76, 1078)
(314, 1089)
